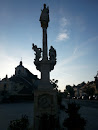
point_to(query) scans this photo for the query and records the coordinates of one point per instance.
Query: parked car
(85, 97)
(79, 97)
(92, 97)
(96, 97)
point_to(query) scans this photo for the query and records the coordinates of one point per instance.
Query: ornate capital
(37, 52)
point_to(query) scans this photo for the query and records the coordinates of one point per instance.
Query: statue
(37, 50)
(45, 98)
(52, 53)
(97, 74)
(44, 18)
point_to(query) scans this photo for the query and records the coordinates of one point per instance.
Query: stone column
(45, 99)
(45, 56)
(45, 74)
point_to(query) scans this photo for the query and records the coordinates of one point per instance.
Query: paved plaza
(89, 110)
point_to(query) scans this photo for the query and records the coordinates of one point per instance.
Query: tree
(90, 91)
(54, 83)
(48, 122)
(65, 93)
(74, 121)
(19, 124)
(70, 90)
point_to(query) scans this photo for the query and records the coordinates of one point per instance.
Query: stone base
(45, 102)
(45, 86)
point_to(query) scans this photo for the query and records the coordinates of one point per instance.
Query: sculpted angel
(52, 53)
(37, 51)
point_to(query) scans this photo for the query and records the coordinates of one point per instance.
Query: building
(79, 89)
(84, 89)
(96, 81)
(22, 83)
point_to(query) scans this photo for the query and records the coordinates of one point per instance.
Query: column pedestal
(45, 103)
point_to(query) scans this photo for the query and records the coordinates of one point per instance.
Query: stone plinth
(45, 102)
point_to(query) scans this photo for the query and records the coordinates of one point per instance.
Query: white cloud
(64, 22)
(63, 34)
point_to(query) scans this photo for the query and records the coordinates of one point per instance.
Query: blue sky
(73, 31)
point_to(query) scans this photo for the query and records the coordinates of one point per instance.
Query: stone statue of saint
(52, 53)
(38, 51)
(44, 18)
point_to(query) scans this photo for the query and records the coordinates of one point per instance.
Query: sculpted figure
(38, 52)
(52, 53)
(97, 74)
(44, 18)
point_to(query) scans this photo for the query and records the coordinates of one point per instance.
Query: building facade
(23, 82)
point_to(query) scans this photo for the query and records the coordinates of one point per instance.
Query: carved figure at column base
(37, 52)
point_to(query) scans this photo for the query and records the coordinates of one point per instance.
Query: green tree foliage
(90, 91)
(74, 121)
(19, 124)
(65, 93)
(48, 122)
(54, 83)
(70, 90)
